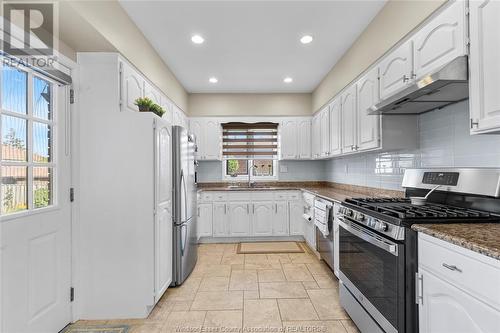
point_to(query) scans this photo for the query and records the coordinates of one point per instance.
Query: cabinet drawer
(262, 196)
(219, 196)
(205, 196)
(294, 196)
(470, 271)
(281, 195)
(239, 196)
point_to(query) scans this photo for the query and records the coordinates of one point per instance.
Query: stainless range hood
(446, 86)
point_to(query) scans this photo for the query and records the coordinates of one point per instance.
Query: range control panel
(441, 178)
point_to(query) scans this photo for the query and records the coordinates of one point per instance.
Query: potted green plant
(157, 110)
(144, 103)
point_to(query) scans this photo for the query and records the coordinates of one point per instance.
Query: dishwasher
(323, 220)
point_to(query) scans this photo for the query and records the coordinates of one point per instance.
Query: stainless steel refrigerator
(184, 204)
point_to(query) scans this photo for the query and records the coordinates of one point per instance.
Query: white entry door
(35, 220)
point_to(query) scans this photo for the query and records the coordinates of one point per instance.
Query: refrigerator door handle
(183, 185)
(183, 239)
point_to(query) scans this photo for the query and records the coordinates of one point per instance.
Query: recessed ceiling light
(213, 80)
(306, 39)
(288, 80)
(197, 39)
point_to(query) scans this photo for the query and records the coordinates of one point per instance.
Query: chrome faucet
(250, 170)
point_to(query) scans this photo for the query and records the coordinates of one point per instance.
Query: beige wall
(396, 19)
(111, 28)
(249, 104)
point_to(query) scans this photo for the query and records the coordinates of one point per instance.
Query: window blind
(250, 140)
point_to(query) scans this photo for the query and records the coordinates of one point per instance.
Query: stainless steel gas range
(378, 249)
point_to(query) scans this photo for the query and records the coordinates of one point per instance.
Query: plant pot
(143, 108)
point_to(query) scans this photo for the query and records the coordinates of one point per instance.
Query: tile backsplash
(444, 142)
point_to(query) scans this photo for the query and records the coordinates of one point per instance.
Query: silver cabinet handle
(248, 208)
(225, 208)
(406, 78)
(452, 267)
(253, 208)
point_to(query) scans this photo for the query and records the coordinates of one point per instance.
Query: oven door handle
(371, 238)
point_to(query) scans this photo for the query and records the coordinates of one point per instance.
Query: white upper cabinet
(316, 136)
(348, 107)
(151, 92)
(335, 128)
(484, 66)
(213, 137)
(367, 125)
(132, 87)
(440, 40)
(396, 70)
(325, 132)
(304, 137)
(208, 137)
(288, 136)
(178, 117)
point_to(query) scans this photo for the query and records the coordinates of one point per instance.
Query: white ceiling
(250, 46)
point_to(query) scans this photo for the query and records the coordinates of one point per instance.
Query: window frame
(243, 178)
(29, 164)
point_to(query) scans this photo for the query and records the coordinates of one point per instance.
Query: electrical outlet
(283, 168)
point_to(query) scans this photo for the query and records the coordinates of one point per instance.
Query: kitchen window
(250, 151)
(27, 164)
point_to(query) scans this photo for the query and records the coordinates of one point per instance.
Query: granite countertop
(326, 190)
(483, 238)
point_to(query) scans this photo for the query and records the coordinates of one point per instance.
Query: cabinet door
(213, 137)
(484, 66)
(335, 128)
(220, 225)
(280, 219)
(239, 219)
(289, 139)
(132, 87)
(325, 132)
(152, 93)
(367, 125)
(163, 218)
(262, 218)
(163, 252)
(204, 220)
(316, 135)
(396, 70)
(196, 128)
(296, 220)
(441, 40)
(304, 135)
(348, 107)
(446, 308)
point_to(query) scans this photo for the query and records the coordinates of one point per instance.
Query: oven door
(372, 268)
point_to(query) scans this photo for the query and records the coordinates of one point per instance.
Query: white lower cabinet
(280, 219)
(262, 218)
(204, 227)
(310, 234)
(220, 220)
(296, 209)
(239, 219)
(457, 289)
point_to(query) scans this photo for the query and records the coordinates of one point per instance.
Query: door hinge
(71, 194)
(473, 123)
(71, 294)
(71, 96)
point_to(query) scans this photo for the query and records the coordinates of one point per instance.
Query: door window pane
(263, 168)
(42, 187)
(41, 143)
(14, 139)
(42, 98)
(236, 167)
(14, 189)
(14, 89)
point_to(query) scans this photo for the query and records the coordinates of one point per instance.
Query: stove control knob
(359, 217)
(349, 212)
(381, 226)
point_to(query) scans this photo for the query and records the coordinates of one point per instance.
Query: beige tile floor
(229, 292)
